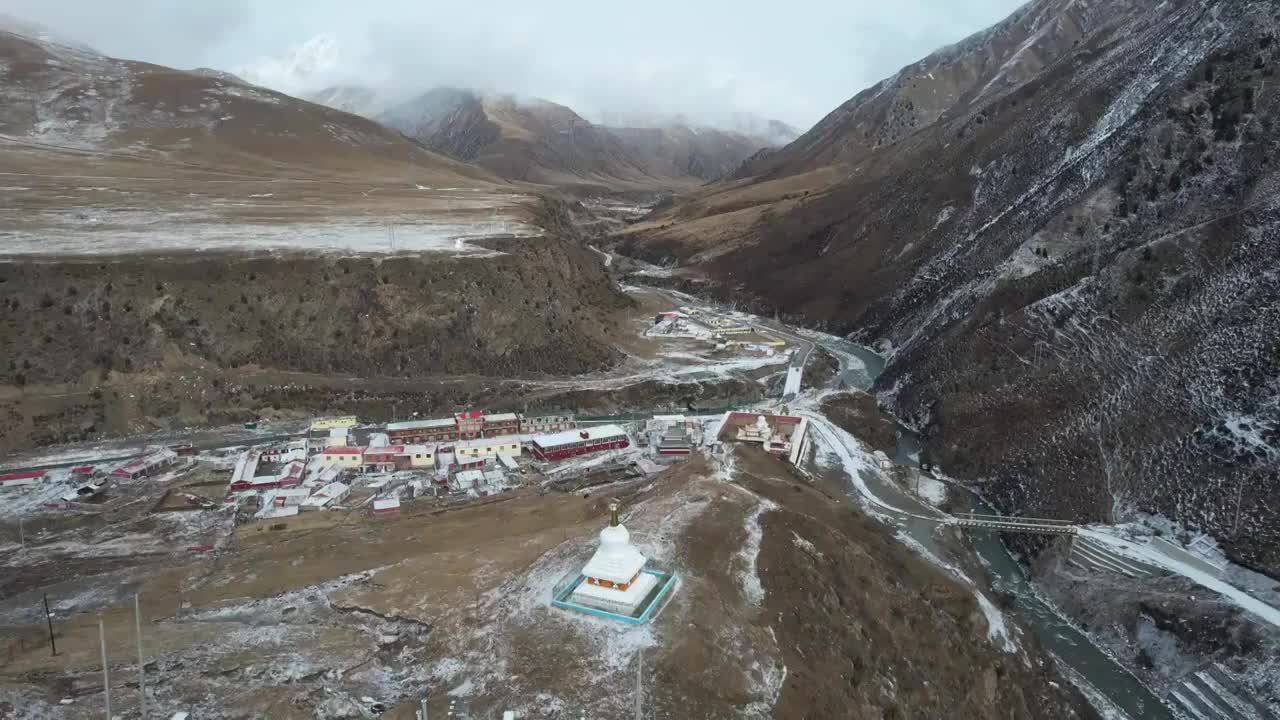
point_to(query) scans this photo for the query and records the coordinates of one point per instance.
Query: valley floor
(794, 574)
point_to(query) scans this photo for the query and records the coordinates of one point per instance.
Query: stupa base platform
(564, 598)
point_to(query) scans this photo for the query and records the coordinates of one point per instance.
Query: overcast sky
(794, 60)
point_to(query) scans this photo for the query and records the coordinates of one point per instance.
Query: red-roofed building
(344, 456)
(22, 479)
(291, 476)
(385, 459)
(470, 424)
(147, 465)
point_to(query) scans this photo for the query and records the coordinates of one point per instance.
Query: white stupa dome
(614, 535)
(616, 560)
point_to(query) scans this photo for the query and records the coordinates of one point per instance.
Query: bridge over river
(1009, 523)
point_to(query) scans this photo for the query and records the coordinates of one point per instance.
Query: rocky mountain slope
(166, 234)
(60, 98)
(354, 99)
(539, 141)
(1072, 255)
(947, 83)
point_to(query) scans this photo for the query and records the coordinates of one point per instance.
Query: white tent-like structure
(615, 580)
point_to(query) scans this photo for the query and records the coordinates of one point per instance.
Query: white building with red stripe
(583, 441)
(22, 479)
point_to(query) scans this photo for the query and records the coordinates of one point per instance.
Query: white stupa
(615, 578)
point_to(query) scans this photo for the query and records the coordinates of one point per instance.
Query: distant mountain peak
(304, 67)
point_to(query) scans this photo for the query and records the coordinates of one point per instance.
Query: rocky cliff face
(1076, 274)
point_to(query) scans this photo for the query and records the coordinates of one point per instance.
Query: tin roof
(589, 434)
(386, 504)
(421, 424)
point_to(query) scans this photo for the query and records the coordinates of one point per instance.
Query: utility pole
(106, 678)
(48, 617)
(142, 672)
(22, 533)
(640, 685)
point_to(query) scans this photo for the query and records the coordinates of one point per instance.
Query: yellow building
(343, 456)
(347, 421)
(421, 456)
(488, 447)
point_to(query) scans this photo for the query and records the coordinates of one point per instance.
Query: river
(1115, 691)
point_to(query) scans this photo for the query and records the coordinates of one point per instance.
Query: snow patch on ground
(805, 545)
(177, 232)
(752, 588)
(1151, 554)
(932, 491)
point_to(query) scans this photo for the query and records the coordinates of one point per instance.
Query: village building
(674, 441)
(674, 435)
(783, 435)
(291, 475)
(246, 468)
(465, 480)
(284, 453)
(570, 443)
(614, 579)
(284, 497)
(22, 479)
(470, 424)
(150, 464)
(318, 433)
(495, 480)
(468, 463)
(423, 431)
(544, 424)
(326, 496)
(321, 475)
(499, 424)
(385, 459)
(486, 448)
(339, 437)
(421, 456)
(350, 457)
(345, 421)
(87, 491)
(386, 506)
(276, 512)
